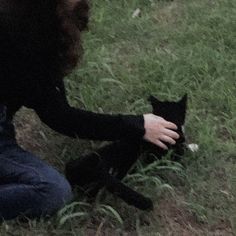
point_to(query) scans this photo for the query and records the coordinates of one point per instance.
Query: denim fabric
(28, 186)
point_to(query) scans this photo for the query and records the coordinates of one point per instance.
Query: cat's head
(173, 111)
(170, 110)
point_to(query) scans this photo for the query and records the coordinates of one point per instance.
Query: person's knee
(56, 195)
(51, 196)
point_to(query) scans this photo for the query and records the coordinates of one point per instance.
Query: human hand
(158, 130)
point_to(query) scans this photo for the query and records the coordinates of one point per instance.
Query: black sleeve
(54, 110)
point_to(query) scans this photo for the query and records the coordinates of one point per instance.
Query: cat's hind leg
(117, 158)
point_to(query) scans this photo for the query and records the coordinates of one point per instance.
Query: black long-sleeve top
(53, 109)
(28, 78)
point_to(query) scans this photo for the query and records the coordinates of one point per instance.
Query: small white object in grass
(136, 13)
(193, 147)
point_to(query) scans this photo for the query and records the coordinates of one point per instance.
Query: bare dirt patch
(176, 219)
(35, 137)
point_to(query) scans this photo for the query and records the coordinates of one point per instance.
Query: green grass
(174, 47)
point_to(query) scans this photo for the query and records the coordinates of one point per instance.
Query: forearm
(75, 122)
(53, 109)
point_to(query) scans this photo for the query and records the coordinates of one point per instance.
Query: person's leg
(29, 186)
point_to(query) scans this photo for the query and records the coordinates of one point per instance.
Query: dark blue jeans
(28, 186)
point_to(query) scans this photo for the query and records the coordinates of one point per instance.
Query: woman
(39, 45)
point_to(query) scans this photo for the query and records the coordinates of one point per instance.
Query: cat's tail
(128, 195)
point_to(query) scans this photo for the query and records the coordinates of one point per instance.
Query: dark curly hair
(41, 38)
(72, 18)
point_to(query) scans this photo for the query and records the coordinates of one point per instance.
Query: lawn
(168, 49)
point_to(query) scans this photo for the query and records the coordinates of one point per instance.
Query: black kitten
(110, 164)
(174, 112)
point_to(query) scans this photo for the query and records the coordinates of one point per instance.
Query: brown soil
(175, 219)
(35, 137)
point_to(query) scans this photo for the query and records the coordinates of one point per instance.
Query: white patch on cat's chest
(183, 129)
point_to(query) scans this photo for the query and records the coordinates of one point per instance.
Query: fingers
(160, 131)
(170, 125)
(171, 134)
(167, 124)
(161, 144)
(167, 139)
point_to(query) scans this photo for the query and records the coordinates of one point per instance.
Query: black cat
(110, 164)
(174, 112)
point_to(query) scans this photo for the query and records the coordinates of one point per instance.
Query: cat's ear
(183, 101)
(153, 100)
(155, 103)
(183, 104)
